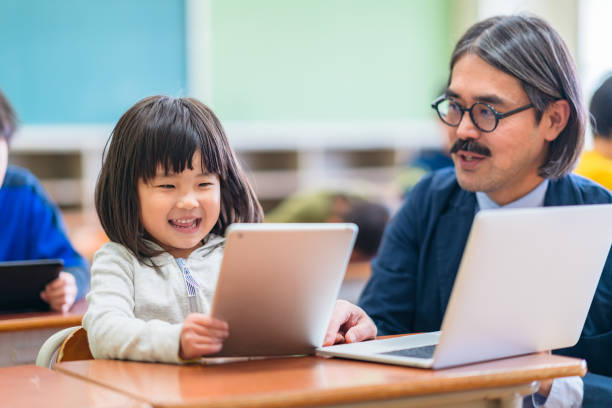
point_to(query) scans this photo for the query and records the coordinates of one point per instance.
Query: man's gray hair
(529, 49)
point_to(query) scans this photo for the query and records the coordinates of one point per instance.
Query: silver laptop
(278, 285)
(525, 284)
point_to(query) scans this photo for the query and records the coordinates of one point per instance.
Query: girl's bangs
(172, 147)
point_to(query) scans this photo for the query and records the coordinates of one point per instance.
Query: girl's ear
(555, 119)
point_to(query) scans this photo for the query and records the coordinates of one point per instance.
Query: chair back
(68, 344)
(75, 347)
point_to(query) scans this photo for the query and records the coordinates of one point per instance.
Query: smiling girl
(169, 186)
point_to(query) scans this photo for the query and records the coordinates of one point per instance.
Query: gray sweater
(135, 311)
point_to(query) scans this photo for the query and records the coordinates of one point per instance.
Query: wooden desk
(314, 381)
(33, 386)
(22, 334)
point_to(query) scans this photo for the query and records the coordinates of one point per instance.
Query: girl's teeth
(185, 222)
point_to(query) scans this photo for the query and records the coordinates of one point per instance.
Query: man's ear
(554, 119)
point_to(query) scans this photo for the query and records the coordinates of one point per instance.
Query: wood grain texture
(33, 386)
(308, 381)
(43, 320)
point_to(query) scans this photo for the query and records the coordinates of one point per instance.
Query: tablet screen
(22, 282)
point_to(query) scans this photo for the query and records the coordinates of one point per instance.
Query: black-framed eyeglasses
(483, 115)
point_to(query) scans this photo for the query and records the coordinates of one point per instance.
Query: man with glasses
(515, 147)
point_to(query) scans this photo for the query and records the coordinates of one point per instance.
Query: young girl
(169, 186)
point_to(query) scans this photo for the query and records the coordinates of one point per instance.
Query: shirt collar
(212, 243)
(535, 198)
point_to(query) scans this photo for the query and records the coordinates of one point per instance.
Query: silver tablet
(278, 285)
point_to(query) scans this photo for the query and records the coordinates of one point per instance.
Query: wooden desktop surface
(33, 386)
(47, 319)
(311, 381)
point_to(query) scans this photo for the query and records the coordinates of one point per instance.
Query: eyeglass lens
(481, 114)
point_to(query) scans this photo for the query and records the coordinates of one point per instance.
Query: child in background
(596, 164)
(337, 206)
(32, 225)
(169, 186)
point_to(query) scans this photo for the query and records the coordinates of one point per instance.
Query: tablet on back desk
(525, 284)
(278, 285)
(22, 282)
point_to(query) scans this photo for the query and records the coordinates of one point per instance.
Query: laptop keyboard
(418, 352)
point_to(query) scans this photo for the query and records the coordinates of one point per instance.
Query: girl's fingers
(196, 347)
(202, 350)
(208, 331)
(207, 321)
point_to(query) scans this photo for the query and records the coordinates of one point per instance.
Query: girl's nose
(187, 202)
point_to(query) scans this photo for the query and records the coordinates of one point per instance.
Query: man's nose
(466, 128)
(187, 201)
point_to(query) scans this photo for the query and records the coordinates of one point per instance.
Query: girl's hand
(61, 292)
(201, 335)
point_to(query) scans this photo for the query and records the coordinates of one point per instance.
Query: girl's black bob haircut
(166, 131)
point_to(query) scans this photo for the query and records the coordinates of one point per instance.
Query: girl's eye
(205, 184)
(166, 186)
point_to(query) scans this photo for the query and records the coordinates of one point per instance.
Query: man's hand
(201, 335)
(349, 324)
(61, 292)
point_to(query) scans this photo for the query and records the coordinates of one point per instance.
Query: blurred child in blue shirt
(32, 227)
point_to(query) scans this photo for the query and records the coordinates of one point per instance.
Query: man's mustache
(470, 146)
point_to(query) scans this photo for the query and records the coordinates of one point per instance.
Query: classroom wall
(327, 60)
(83, 62)
(79, 62)
(299, 77)
(74, 61)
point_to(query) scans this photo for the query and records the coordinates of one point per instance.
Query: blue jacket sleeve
(389, 297)
(48, 239)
